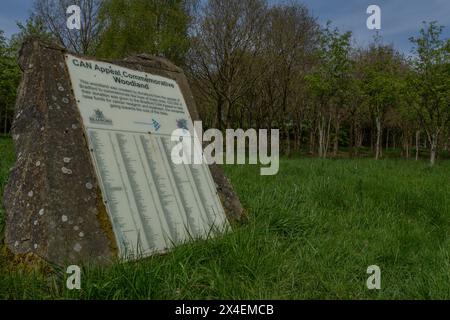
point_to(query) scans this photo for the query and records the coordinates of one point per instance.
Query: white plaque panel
(128, 118)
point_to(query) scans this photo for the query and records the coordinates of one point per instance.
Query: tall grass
(312, 231)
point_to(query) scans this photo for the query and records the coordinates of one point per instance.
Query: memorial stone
(93, 178)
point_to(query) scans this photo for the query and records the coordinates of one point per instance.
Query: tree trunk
(352, 142)
(298, 139)
(360, 139)
(417, 144)
(407, 147)
(321, 136)
(327, 143)
(372, 147)
(378, 143)
(336, 139)
(219, 114)
(5, 129)
(311, 142)
(387, 139)
(433, 140)
(433, 155)
(288, 142)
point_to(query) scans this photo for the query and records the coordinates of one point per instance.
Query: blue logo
(156, 124)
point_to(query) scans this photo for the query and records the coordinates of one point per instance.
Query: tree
(290, 39)
(9, 69)
(53, 14)
(329, 83)
(158, 27)
(431, 83)
(226, 42)
(9, 81)
(34, 26)
(382, 65)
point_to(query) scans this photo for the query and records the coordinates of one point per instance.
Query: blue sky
(400, 19)
(12, 11)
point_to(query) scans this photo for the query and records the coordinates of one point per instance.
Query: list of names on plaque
(128, 118)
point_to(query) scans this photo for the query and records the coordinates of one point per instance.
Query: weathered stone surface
(53, 201)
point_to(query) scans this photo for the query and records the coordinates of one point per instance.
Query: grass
(312, 231)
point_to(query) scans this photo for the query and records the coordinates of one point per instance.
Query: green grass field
(312, 231)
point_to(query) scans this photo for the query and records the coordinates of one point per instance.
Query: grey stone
(65, 190)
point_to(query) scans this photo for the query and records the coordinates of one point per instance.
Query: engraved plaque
(128, 119)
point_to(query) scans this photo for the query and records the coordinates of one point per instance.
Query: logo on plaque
(182, 124)
(156, 124)
(99, 118)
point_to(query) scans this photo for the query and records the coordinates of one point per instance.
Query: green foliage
(10, 73)
(6, 162)
(9, 81)
(330, 79)
(33, 27)
(431, 81)
(313, 230)
(157, 27)
(381, 74)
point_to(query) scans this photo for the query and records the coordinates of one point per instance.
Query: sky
(400, 19)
